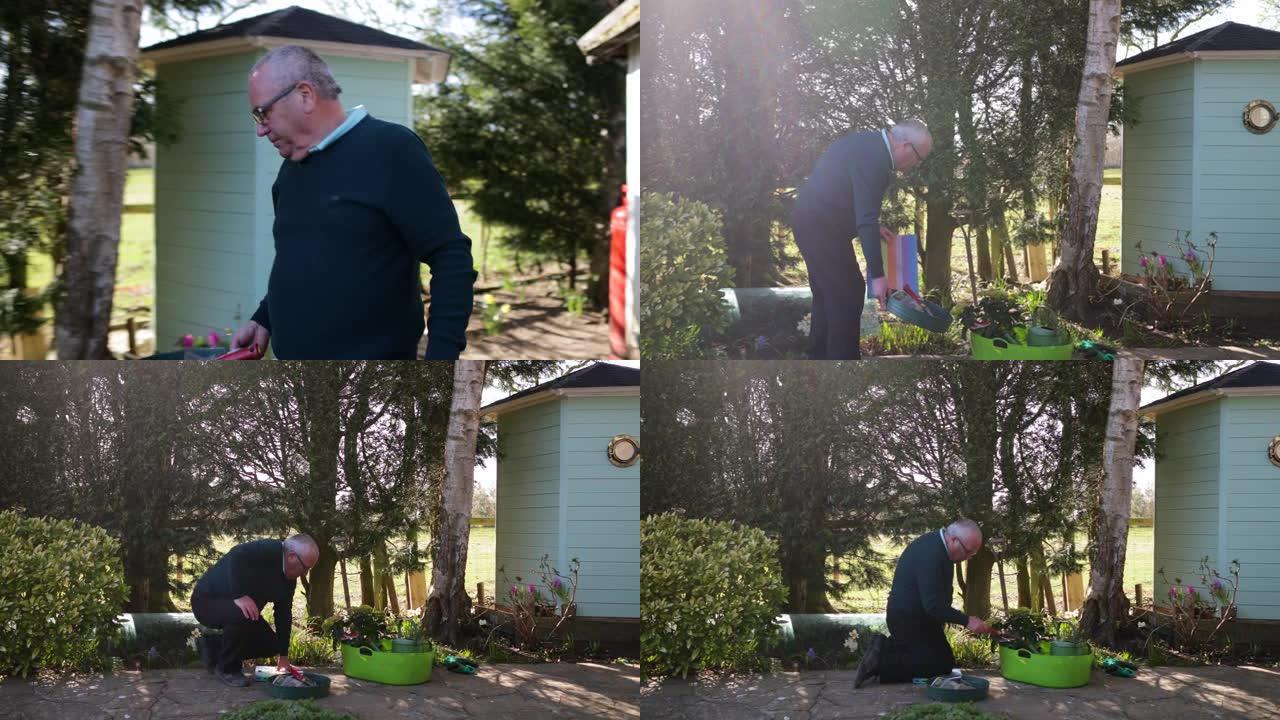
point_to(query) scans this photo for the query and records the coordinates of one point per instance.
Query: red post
(618, 279)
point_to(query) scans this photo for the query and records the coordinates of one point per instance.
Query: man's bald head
(911, 143)
(304, 552)
(291, 64)
(964, 538)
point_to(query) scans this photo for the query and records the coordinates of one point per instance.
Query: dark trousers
(916, 647)
(241, 638)
(839, 291)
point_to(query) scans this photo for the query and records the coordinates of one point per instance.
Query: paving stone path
(558, 690)
(1229, 693)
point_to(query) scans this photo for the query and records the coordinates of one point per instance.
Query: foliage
(710, 592)
(528, 131)
(898, 338)
(574, 302)
(827, 655)
(682, 268)
(1027, 628)
(1169, 296)
(285, 710)
(360, 626)
(970, 650)
(942, 711)
(1144, 21)
(1187, 606)
(493, 314)
(527, 603)
(994, 316)
(61, 589)
(308, 650)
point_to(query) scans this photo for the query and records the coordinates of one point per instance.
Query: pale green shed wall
(1190, 165)
(1188, 467)
(559, 495)
(601, 504)
(1157, 162)
(1217, 495)
(213, 210)
(528, 507)
(1251, 488)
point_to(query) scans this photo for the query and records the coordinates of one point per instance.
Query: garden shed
(1204, 155)
(213, 212)
(568, 485)
(1217, 484)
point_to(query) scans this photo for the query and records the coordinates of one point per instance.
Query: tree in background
(1074, 283)
(528, 132)
(1145, 21)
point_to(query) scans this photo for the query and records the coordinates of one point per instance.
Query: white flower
(852, 641)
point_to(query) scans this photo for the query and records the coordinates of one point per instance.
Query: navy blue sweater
(922, 582)
(352, 225)
(845, 191)
(255, 569)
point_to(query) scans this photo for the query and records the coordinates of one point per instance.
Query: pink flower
(532, 589)
(1142, 261)
(214, 341)
(1163, 261)
(514, 591)
(188, 340)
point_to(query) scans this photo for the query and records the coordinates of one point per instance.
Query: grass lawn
(480, 568)
(1138, 568)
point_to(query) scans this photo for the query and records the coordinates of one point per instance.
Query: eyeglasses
(917, 152)
(259, 114)
(967, 552)
(305, 568)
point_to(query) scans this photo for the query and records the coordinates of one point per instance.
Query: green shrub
(971, 651)
(709, 592)
(308, 650)
(682, 268)
(61, 589)
(285, 710)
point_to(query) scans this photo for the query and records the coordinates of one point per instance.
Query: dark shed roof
(298, 24)
(1258, 374)
(595, 375)
(1227, 36)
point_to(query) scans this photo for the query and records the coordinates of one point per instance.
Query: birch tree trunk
(448, 602)
(1074, 281)
(1107, 604)
(103, 118)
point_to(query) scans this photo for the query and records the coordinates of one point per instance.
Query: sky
(487, 476)
(1248, 12)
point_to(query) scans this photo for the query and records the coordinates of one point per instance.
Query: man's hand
(249, 334)
(282, 664)
(880, 290)
(248, 607)
(978, 626)
(887, 234)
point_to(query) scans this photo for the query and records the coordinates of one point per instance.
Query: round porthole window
(1260, 116)
(1273, 452)
(624, 450)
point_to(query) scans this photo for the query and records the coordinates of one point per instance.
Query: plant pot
(389, 668)
(1053, 671)
(404, 645)
(1038, 336)
(1065, 647)
(987, 349)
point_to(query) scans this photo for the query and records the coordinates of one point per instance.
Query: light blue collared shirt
(354, 116)
(885, 134)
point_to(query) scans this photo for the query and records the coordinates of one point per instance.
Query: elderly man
(358, 205)
(919, 604)
(231, 595)
(840, 200)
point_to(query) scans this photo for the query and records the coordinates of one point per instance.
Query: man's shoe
(206, 653)
(235, 678)
(870, 664)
